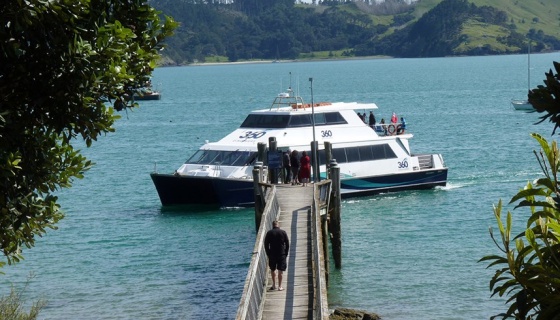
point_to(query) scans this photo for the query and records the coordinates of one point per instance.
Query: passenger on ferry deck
(394, 118)
(362, 116)
(401, 127)
(371, 119)
(383, 125)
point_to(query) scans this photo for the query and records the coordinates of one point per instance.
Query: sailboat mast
(529, 67)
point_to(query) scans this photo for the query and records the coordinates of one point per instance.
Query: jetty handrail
(255, 283)
(321, 196)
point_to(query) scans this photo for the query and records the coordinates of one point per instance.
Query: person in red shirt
(304, 168)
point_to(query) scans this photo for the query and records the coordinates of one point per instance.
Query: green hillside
(521, 12)
(529, 14)
(523, 15)
(279, 29)
(538, 17)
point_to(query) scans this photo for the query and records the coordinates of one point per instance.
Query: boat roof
(319, 107)
(288, 103)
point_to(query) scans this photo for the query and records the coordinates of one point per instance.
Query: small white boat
(148, 95)
(372, 159)
(523, 104)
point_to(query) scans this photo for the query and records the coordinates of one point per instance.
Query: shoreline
(167, 63)
(202, 64)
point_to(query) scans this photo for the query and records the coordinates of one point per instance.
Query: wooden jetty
(302, 213)
(294, 218)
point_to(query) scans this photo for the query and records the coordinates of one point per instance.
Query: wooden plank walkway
(296, 301)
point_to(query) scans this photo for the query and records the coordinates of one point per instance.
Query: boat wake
(451, 186)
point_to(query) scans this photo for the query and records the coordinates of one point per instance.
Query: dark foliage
(546, 98)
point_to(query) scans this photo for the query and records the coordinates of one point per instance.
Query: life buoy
(399, 129)
(391, 129)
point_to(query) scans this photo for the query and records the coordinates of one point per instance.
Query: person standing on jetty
(276, 246)
(294, 165)
(305, 168)
(286, 166)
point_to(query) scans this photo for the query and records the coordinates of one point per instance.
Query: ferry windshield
(224, 158)
(291, 121)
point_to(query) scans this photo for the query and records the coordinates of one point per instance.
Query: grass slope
(525, 14)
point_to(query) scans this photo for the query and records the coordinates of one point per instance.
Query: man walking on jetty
(276, 245)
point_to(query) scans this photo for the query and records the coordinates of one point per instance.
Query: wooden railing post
(335, 216)
(328, 158)
(315, 161)
(259, 206)
(272, 171)
(261, 151)
(325, 235)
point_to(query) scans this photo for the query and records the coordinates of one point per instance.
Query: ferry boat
(372, 159)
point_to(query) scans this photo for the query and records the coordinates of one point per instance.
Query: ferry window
(195, 158)
(365, 153)
(265, 121)
(205, 157)
(321, 155)
(389, 153)
(320, 119)
(378, 152)
(229, 157)
(212, 157)
(251, 121)
(334, 118)
(274, 121)
(225, 158)
(383, 152)
(339, 155)
(238, 158)
(300, 120)
(353, 154)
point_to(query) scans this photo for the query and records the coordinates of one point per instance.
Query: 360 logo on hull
(253, 135)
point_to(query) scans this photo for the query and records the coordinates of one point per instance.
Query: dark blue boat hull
(181, 190)
(177, 190)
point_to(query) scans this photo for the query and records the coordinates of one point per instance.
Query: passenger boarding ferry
(371, 160)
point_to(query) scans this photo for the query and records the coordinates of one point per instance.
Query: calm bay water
(412, 255)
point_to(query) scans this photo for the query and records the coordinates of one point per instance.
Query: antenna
(314, 148)
(290, 79)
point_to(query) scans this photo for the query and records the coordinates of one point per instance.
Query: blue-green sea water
(411, 255)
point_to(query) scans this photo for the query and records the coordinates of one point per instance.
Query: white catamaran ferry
(372, 159)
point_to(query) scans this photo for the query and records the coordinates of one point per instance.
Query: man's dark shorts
(277, 263)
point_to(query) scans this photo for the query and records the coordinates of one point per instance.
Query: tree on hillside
(529, 264)
(61, 60)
